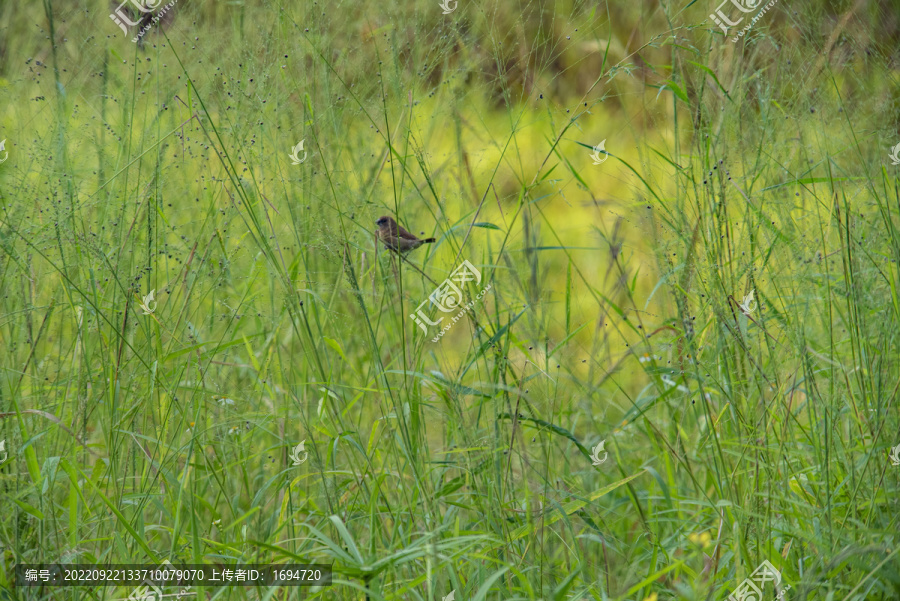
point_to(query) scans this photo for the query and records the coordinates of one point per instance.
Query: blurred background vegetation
(614, 315)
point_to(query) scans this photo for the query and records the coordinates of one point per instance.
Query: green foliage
(737, 431)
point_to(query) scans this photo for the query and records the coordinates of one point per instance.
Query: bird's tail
(428, 240)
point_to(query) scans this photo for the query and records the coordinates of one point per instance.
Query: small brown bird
(397, 238)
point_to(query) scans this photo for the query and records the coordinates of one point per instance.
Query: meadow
(680, 357)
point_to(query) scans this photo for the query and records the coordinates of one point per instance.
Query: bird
(396, 238)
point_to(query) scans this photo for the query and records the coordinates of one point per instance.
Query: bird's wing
(404, 234)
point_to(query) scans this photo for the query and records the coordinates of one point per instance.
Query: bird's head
(383, 221)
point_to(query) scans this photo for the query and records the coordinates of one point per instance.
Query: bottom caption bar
(153, 577)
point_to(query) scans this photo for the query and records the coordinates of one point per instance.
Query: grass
(613, 311)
